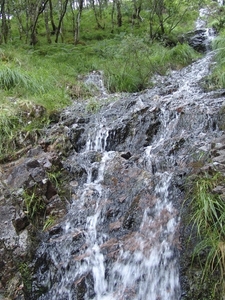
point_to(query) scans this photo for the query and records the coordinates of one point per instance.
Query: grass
(34, 206)
(129, 65)
(49, 222)
(208, 220)
(26, 275)
(216, 79)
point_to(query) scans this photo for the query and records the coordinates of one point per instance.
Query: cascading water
(120, 238)
(145, 263)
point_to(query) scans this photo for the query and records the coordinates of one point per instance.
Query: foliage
(20, 122)
(9, 78)
(34, 205)
(25, 272)
(45, 21)
(54, 178)
(217, 78)
(208, 220)
(131, 64)
(49, 222)
(217, 20)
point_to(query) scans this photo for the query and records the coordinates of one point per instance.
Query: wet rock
(50, 189)
(126, 155)
(131, 218)
(219, 159)
(197, 39)
(26, 177)
(219, 190)
(21, 223)
(33, 164)
(56, 207)
(76, 138)
(81, 288)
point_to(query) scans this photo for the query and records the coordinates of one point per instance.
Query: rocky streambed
(94, 210)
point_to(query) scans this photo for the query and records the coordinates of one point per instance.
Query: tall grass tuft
(10, 77)
(9, 123)
(129, 65)
(20, 82)
(181, 55)
(208, 220)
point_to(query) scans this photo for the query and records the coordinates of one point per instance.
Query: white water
(150, 271)
(153, 263)
(98, 141)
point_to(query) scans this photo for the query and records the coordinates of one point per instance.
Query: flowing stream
(120, 238)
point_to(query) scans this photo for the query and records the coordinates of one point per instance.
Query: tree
(54, 27)
(97, 8)
(36, 10)
(4, 23)
(137, 4)
(165, 15)
(77, 21)
(116, 4)
(62, 14)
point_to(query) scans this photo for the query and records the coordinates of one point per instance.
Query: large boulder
(199, 39)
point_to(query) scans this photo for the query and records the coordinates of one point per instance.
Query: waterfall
(120, 237)
(145, 265)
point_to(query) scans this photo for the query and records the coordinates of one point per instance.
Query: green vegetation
(208, 229)
(26, 275)
(50, 221)
(35, 197)
(34, 207)
(217, 78)
(45, 54)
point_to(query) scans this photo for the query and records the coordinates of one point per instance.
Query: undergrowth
(49, 76)
(208, 225)
(216, 79)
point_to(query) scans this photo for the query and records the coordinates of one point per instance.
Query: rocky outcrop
(198, 39)
(32, 195)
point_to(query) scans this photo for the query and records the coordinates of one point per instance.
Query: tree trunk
(63, 12)
(159, 13)
(119, 14)
(48, 33)
(38, 11)
(77, 22)
(4, 25)
(21, 28)
(54, 28)
(112, 16)
(73, 15)
(137, 9)
(97, 13)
